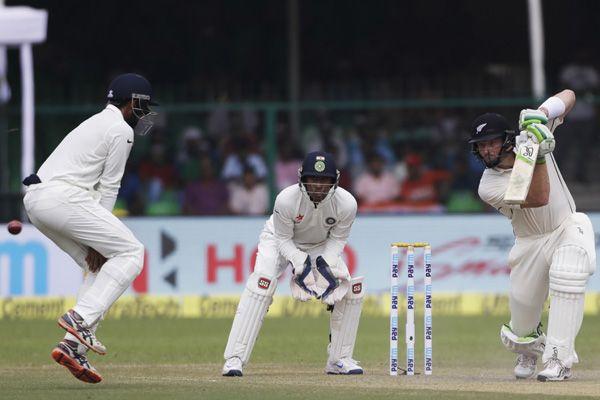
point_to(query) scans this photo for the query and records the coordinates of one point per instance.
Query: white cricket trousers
(531, 259)
(73, 219)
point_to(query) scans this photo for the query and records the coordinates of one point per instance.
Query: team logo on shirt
(330, 221)
(357, 288)
(299, 218)
(264, 283)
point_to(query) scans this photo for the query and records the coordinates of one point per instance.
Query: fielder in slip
(70, 200)
(308, 230)
(554, 250)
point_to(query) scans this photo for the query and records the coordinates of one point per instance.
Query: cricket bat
(520, 177)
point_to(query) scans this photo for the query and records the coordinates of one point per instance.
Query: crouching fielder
(554, 249)
(308, 230)
(70, 200)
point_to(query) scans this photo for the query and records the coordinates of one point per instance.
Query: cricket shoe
(344, 366)
(233, 367)
(73, 323)
(65, 353)
(554, 370)
(525, 367)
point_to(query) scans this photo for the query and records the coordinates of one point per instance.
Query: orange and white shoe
(65, 353)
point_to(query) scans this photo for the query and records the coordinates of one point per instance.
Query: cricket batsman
(308, 230)
(554, 250)
(70, 200)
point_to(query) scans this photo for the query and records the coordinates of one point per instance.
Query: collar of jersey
(115, 109)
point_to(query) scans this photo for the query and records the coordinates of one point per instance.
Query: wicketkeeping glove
(528, 117)
(333, 282)
(303, 283)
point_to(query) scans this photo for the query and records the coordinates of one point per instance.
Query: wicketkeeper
(554, 250)
(308, 230)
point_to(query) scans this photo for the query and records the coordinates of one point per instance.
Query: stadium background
(246, 88)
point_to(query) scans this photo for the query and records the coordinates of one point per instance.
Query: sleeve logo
(357, 288)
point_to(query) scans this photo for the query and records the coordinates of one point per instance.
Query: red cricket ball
(14, 227)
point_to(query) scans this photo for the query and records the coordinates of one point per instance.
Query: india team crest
(320, 166)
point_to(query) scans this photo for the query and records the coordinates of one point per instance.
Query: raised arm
(568, 98)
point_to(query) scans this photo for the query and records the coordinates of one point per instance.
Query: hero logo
(264, 283)
(16, 253)
(357, 288)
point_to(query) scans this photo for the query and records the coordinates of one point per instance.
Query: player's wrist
(554, 107)
(541, 160)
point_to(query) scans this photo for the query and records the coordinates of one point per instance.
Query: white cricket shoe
(233, 367)
(554, 370)
(344, 366)
(525, 367)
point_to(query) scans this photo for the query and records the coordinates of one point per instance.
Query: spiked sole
(79, 372)
(542, 378)
(352, 372)
(233, 372)
(75, 333)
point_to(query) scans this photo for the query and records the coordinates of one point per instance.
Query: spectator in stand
(376, 186)
(243, 151)
(423, 187)
(249, 197)
(287, 165)
(206, 195)
(583, 78)
(193, 145)
(463, 195)
(157, 172)
(130, 192)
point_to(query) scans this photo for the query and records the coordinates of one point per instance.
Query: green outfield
(181, 359)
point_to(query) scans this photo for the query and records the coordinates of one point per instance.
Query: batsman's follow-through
(395, 250)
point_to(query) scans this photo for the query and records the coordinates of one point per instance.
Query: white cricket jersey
(529, 221)
(299, 226)
(93, 155)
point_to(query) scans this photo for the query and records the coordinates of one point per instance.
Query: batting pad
(569, 273)
(344, 321)
(564, 321)
(570, 269)
(254, 303)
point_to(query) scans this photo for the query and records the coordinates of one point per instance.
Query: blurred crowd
(220, 167)
(392, 160)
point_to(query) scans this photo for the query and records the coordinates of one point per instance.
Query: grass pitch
(182, 359)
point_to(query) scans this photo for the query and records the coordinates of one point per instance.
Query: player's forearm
(567, 97)
(333, 249)
(539, 191)
(288, 249)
